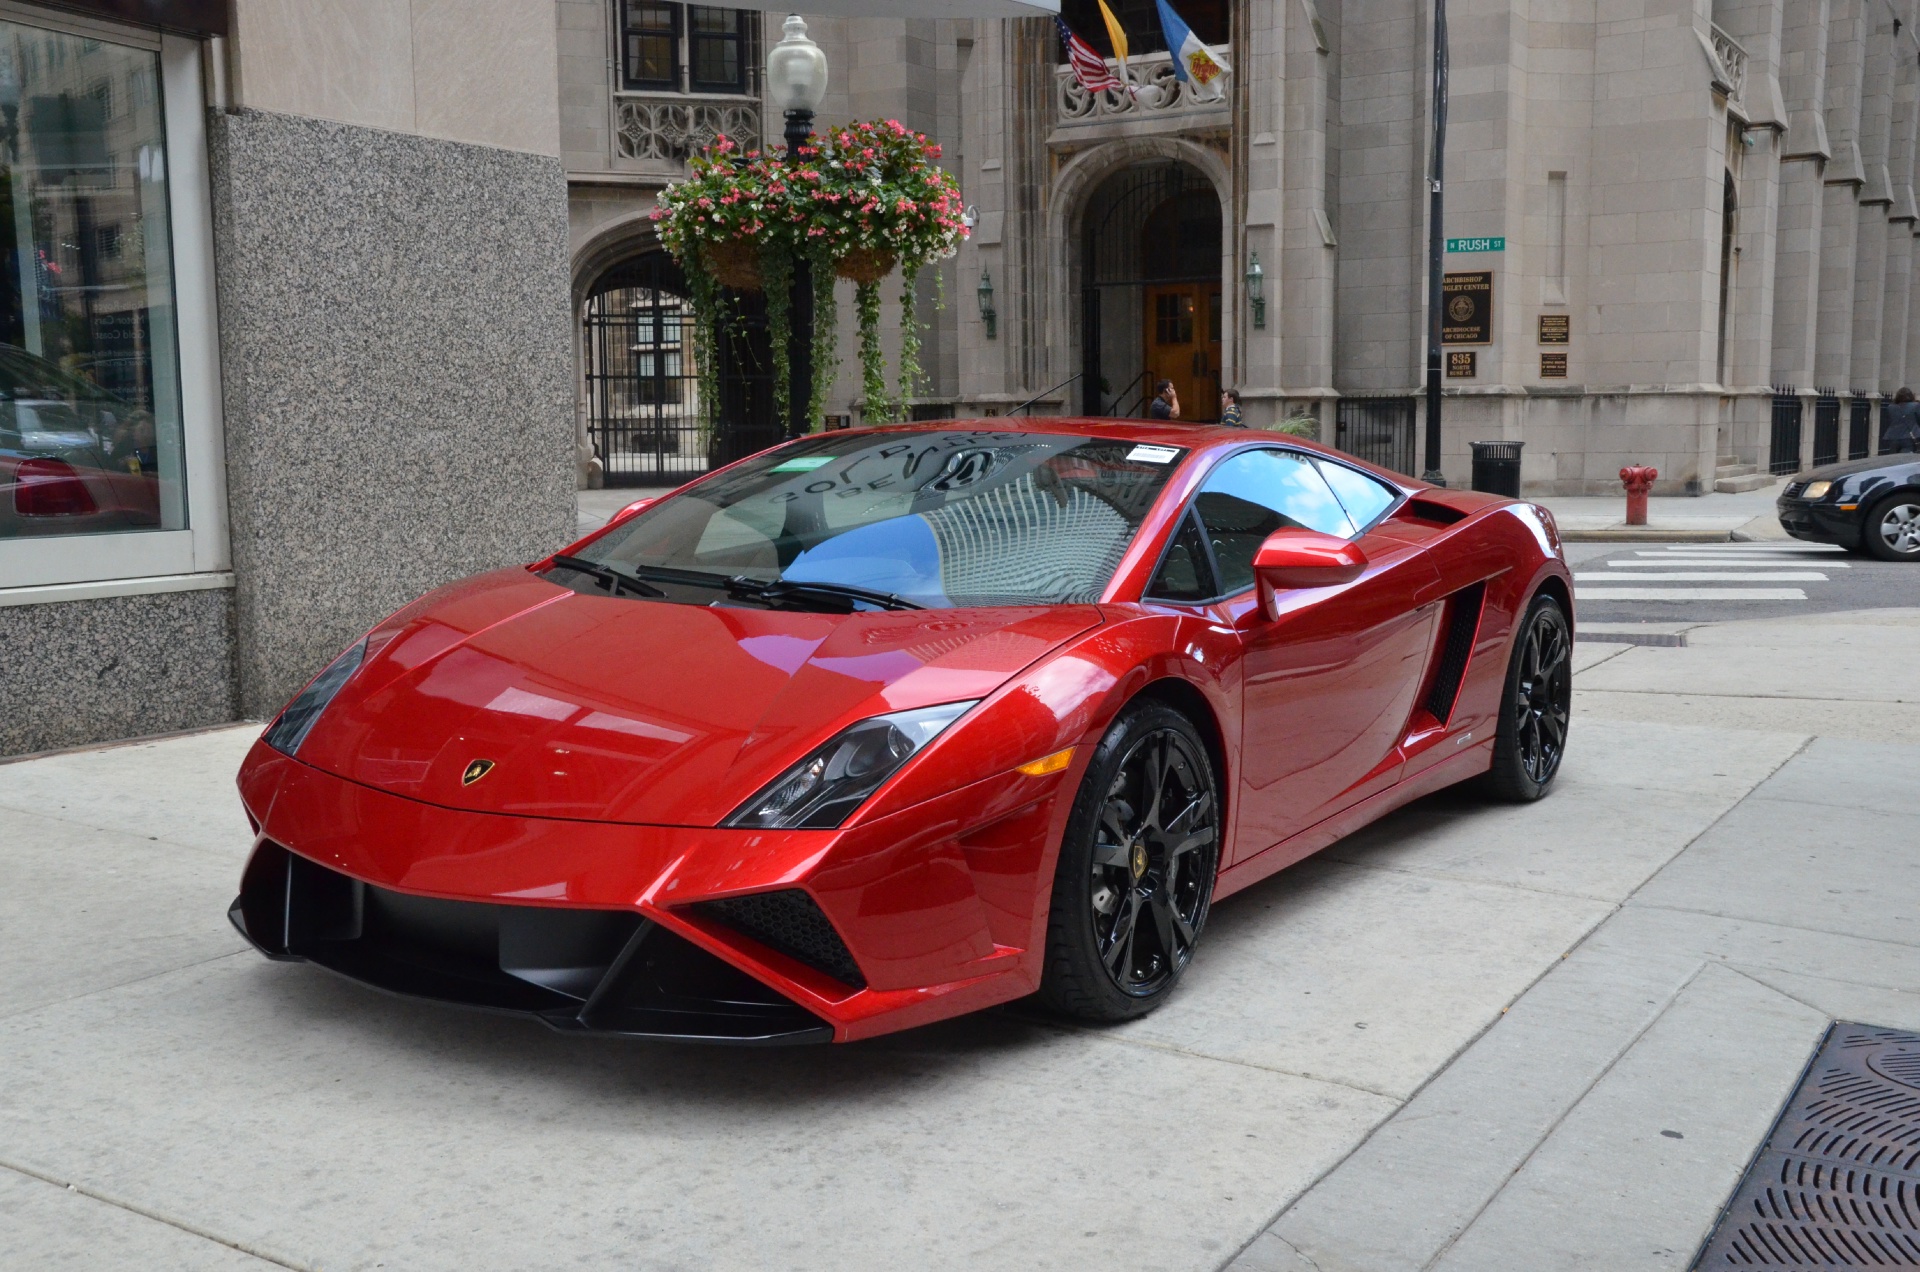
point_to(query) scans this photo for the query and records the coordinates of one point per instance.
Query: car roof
(1151, 432)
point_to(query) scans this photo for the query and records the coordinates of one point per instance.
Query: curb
(1645, 534)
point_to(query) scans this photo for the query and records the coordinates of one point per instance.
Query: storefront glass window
(90, 419)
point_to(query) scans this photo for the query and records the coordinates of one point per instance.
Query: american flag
(1088, 66)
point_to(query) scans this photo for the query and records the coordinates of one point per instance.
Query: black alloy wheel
(1136, 870)
(1892, 528)
(1531, 739)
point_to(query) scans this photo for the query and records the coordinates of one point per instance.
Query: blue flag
(1202, 70)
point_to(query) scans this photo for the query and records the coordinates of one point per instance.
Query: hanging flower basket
(735, 263)
(865, 265)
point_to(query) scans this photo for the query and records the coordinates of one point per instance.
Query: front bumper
(928, 913)
(1819, 522)
(592, 971)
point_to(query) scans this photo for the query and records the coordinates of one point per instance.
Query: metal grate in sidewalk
(1837, 1182)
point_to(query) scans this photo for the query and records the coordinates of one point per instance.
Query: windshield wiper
(842, 597)
(616, 580)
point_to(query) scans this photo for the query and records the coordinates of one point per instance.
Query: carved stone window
(680, 48)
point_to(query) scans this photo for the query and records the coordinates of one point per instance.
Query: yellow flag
(1114, 33)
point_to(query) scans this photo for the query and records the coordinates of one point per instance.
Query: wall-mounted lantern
(987, 315)
(1257, 290)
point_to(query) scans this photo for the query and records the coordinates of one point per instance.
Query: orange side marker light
(1047, 764)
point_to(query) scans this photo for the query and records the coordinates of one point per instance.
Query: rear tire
(1531, 738)
(1892, 528)
(1136, 871)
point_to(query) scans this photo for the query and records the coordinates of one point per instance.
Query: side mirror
(634, 508)
(1303, 558)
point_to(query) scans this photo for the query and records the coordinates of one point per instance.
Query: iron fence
(1378, 430)
(1860, 427)
(1783, 452)
(645, 418)
(1826, 428)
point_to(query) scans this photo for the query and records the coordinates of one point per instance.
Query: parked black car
(1867, 505)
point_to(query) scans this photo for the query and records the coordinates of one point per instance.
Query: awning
(922, 9)
(184, 17)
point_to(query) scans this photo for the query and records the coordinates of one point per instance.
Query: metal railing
(1860, 427)
(1378, 430)
(1783, 450)
(1158, 90)
(1826, 428)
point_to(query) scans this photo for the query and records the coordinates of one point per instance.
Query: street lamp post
(1436, 241)
(797, 82)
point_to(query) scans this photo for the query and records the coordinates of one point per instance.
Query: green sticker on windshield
(802, 463)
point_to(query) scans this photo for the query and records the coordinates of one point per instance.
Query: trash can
(1496, 467)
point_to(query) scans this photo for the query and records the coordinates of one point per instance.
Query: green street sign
(1477, 245)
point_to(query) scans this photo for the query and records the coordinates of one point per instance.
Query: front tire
(1136, 872)
(1892, 529)
(1531, 739)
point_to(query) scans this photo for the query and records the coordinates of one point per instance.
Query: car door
(1328, 686)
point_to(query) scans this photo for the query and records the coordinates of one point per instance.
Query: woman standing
(1900, 424)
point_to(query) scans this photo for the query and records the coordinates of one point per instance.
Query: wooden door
(1182, 325)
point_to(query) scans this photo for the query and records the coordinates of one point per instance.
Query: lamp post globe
(797, 83)
(796, 80)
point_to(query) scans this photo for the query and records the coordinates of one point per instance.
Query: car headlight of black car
(822, 790)
(1818, 490)
(298, 717)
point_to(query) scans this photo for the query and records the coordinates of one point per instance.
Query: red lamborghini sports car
(884, 726)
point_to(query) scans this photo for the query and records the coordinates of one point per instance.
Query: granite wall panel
(90, 671)
(396, 347)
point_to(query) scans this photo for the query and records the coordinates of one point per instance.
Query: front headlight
(298, 717)
(822, 790)
(1818, 490)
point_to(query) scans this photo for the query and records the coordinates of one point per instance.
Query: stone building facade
(308, 307)
(283, 340)
(1701, 216)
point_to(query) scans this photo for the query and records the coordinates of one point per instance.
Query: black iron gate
(1826, 428)
(1378, 430)
(1783, 448)
(1859, 427)
(645, 418)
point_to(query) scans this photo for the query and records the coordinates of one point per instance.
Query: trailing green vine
(826, 331)
(776, 272)
(910, 373)
(873, 362)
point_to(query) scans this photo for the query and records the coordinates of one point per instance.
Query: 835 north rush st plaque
(1466, 308)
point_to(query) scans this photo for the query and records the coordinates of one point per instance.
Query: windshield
(939, 519)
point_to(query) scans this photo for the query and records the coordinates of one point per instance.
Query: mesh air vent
(791, 922)
(1462, 623)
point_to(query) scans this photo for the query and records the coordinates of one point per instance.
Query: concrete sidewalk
(1748, 515)
(1459, 1035)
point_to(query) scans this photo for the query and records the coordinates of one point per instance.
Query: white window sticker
(803, 464)
(1153, 454)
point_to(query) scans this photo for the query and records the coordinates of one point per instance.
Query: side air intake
(789, 921)
(1461, 624)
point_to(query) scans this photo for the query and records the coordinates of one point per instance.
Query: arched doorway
(1150, 291)
(645, 419)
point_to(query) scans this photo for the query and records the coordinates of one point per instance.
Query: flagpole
(1436, 242)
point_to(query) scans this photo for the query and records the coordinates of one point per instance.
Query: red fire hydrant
(1637, 478)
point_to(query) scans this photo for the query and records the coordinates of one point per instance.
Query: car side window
(1253, 494)
(1364, 497)
(1185, 574)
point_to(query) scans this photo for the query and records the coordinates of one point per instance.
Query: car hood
(1834, 472)
(647, 712)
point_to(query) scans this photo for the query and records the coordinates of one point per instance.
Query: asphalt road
(1668, 583)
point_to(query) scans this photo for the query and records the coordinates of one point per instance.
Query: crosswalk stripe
(1709, 576)
(1776, 545)
(1689, 594)
(1721, 563)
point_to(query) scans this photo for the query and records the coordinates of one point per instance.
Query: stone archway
(1073, 198)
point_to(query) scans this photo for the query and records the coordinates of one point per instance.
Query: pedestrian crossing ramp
(1712, 572)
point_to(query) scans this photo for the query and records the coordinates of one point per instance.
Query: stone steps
(1742, 483)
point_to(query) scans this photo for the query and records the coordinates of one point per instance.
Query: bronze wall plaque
(1466, 308)
(1553, 366)
(1462, 364)
(1554, 328)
